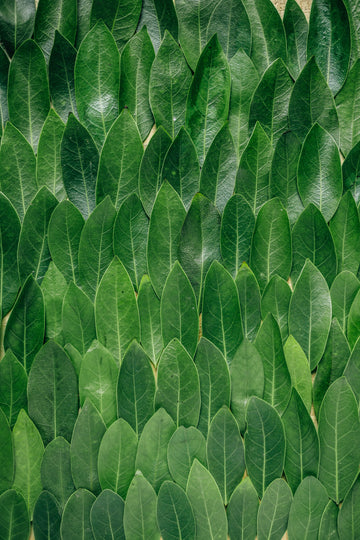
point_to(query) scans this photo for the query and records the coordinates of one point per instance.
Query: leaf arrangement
(181, 318)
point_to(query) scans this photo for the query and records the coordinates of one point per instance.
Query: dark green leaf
(352, 370)
(343, 291)
(276, 300)
(351, 172)
(140, 510)
(299, 370)
(14, 516)
(4, 69)
(307, 509)
(150, 323)
(47, 517)
(75, 357)
(83, 17)
(75, 522)
(54, 288)
(242, 511)
(56, 470)
(120, 16)
(354, 19)
(78, 319)
(13, 384)
(61, 77)
(185, 445)
(6, 454)
(345, 230)
(106, 516)
(9, 238)
(51, 16)
(16, 22)
(174, 513)
(274, 510)
(347, 106)
(159, 16)
(296, 31)
(353, 324)
(349, 517)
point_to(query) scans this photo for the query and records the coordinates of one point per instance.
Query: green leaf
(174, 513)
(121, 17)
(302, 443)
(13, 385)
(244, 80)
(276, 300)
(28, 453)
(150, 174)
(264, 444)
(283, 174)
(308, 106)
(252, 180)
(83, 19)
(54, 288)
(185, 445)
(16, 22)
(97, 80)
(136, 60)
(312, 239)
(117, 453)
(242, 511)
(268, 35)
(136, 388)
(51, 16)
(178, 312)
(353, 324)
(4, 69)
(181, 167)
(75, 520)
(79, 162)
(274, 510)
(299, 370)
(221, 319)
(98, 381)
(351, 172)
(47, 517)
(345, 230)
(319, 175)
(307, 509)
(270, 102)
(96, 247)
(218, 173)
(120, 161)
(52, 393)
(170, 80)
(28, 91)
(116, 312)
(88, 431)
(328, 525)
(178, 388)
(354, 19)
(64, 233)
(159, 16)
(106, 516)
(206, 502)
(339, 435)
(329, 40)
(151, 457)
(247, 379)
(199, 242)
(166, 222)
(351, 371)
(14, 516)
(347, 107)
(9, 238)
(33, 251)
(296, 31)
(6, 454)
(210, 86)
(17, 170)
(150, 323)
(310, 313)
(25, 328)
(61, 77)
(343, 291)
(75, 357)
(78, 319)
(214, 380)
(225, 452)
(56, 470)
(140, 510)
(349, 518)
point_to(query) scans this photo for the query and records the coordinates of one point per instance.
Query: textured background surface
(304, 4)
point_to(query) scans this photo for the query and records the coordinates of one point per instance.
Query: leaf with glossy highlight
(121, 17)
(60, 15)
(16, 22)
(159, 16)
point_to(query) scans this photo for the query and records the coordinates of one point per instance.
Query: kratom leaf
(121, 17)
(345, 230)
(159, 16)
(174, 513)
(4, 69)
(56, 475)
(75, 520)
(353, 323)
(14, 515)
(9, 238)
(351, 172)
(185, 445)
(276, 300)
(150, 323)
(307, 508)
(51, 16)
(140, 510)
(351, 371)
(274, 510)
(54, 288)
(347, 106)
(78, 319)
(299, 370)
(7, 469)
(83, 19)
(328, 524)
(296, 31)
(61, 77)
(47, 517)
(75, 357)
(354, 19)
(13, 385)
(16, 22)
(348, 518)
(25, 328)
(106, 516)
(242, 511)
(343, 291)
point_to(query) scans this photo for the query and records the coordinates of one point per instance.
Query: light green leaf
(347, 106)
(150, 323)
(75, 357)
(76, 516)
(242, 511)
(185, 445)
(56, 470)
(174, 513)
(159, 16)
(9, 238)
(274, 510)
(140, 510)
(307, 509)
(14, 515)
(13, 384)
(349, 517)
(61, 77)
(6, 454)
(4, 70)
(299, 370)
(276, 300)
(352, 370)
(78, 319)
(60, 15)
(345, 230)
(296, 31)
(343, 291)
(120, 16)
(106, 516)
(16, 22)
(54, 288)
(328, 529)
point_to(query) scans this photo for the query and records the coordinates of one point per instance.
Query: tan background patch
(304, 4)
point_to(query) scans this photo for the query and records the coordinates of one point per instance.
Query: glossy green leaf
(328, 524)
(178, 312)
(16, 22)
(64, 233)
(54, 288)
(4, 69)
(329, 40)
(33, 251)
(151, 457)
(210, 85)
(299, 370)
(25, 328)
(136, 60)
(347, 106)
(9, 237)
(311, 239)
(6, 454)
(61, 76)
(339, 435)
(79, 162)
(185, 445)
(17, 170)
(296, 31)
(174, 513)
(136, 388)
(150, 322)
(14, 516)
(116, 312)
(98, 381)
(56, 470)
(76, 516)
(170, 80)
(159, 16)
(13, 385)
(343, 291)
(354, 19)
(242, 511)
(78, 319)
(47, 517)
(121, 17)
(352, 369)
(276, 300)
(106, 516)
(310, 313)
(83, 19)
(28, 91)
(140, 510)
(97, 80)
(274, 510)
(120, 161)
(60, 15)
(306, 510)
(28, 453)
(345, 230)
(312, 101)
(353, 324)
(206, 502)
(221, 319)
(52, 393)
(264, 444)
(178, 388)
(349, 517)
(302, 443)
(117, 453)
(252, 180)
